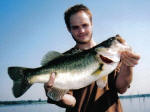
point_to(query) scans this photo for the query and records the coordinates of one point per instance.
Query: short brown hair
(74, 9)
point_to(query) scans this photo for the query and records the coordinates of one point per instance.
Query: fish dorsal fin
(50, 56)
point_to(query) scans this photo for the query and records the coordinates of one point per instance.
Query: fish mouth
(109, 57)
(106, 59)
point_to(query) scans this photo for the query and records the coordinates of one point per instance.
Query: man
(78, 20)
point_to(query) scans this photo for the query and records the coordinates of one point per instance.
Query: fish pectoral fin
(56, 94)
(50, 56)
(98, 71)
(101, 83)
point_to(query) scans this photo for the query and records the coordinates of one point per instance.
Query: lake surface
(141, 104)
(31, 108)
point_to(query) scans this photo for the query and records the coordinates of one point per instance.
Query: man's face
(81, 27)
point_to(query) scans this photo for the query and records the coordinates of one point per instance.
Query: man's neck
(86, 46)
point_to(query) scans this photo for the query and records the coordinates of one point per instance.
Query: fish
(73, 71)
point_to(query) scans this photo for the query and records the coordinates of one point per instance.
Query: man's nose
(82, 30)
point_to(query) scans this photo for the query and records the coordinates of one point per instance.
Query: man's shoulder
(69, 51)
(72, 51)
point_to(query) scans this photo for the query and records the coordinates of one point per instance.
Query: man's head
(78, 20)
(75, 9)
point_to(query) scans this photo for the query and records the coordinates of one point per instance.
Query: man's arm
(124, 76)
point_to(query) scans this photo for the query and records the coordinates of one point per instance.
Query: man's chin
(83, 41)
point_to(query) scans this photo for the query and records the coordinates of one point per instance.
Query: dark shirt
(94, 99)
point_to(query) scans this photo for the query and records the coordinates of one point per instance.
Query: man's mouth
(105, 59)
(82, 35)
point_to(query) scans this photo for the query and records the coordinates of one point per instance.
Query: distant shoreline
(135, 96)
(23, 102)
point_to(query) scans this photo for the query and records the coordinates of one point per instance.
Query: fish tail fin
(20, 82)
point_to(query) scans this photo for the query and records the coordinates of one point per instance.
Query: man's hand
(125, 72)
(129, 58)
(49, 84)
(67, 99)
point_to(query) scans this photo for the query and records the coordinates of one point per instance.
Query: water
(129, 105)
(136, 104)
(32, 108)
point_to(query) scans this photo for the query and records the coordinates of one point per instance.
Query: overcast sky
(31, 28)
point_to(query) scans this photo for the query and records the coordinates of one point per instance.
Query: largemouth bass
(73, 71)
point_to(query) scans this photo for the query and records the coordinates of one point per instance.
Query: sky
(31, 28)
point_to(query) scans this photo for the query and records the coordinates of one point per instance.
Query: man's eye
(74, 27)
(85, 25)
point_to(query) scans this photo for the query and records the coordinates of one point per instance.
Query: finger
(125, 62)
(50, 83)
(69, 100)
(131, 55)
(130, 58)
(130, 62)
(51, 80)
